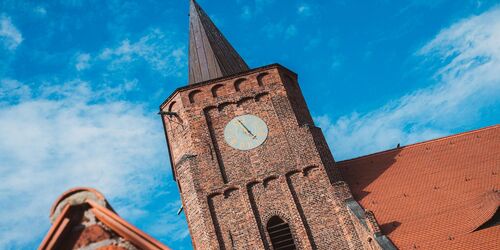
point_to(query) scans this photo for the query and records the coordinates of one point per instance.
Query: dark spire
(210, 54)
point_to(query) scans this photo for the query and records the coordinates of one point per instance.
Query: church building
(254, 172)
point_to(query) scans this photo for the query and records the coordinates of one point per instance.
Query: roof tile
(428, 193)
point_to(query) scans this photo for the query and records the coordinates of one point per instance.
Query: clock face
(245, 132)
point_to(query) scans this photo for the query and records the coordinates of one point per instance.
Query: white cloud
(10, 36)
(40, 10)
(467, 83)
(279, 29)
(246, 13)
(290, 31)
(313, 41)
(56, 137)
(249, 10)
(304, 9)
(168, 223)
(336, 62)
(82, 61)
(156, 49)
(12, 88)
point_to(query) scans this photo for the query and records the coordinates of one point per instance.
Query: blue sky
(81, 81)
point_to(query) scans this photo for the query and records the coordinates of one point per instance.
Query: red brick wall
(228, 194)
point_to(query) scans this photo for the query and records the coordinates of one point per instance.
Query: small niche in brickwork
(280, 234)
(194, 96)
(242, 84)
(216, 90)
(260, 78)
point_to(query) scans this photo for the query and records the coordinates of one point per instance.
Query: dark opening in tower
(280, 234)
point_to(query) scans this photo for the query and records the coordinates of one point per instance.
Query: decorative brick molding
(228, 194)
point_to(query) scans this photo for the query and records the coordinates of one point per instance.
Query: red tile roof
(484, 239)
(433, 194)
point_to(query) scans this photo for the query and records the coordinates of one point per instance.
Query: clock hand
(246, 129)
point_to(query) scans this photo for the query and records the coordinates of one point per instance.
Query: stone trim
(367, 219)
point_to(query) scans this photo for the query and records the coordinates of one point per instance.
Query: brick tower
(253, 170)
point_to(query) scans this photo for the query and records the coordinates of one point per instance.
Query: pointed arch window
(280, 234)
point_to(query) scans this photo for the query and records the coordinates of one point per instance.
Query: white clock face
(245, 132)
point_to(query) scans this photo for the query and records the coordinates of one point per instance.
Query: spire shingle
(210, 54)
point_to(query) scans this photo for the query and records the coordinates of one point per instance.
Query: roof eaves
(496, 126)
(125, 229)
(56, 230)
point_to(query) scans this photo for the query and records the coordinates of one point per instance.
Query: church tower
(253, 170)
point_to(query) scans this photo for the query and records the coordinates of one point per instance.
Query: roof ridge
(425, 142)
(102, 211)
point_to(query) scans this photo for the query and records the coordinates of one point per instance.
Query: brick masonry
(229, 195)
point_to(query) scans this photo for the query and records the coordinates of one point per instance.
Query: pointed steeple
(210, 54)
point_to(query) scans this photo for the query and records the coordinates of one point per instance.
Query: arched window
(280, 234)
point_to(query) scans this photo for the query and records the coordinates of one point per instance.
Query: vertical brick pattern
(316, 200)
(235, 228)
(275, 189)
(195, 205)
(229, 195)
